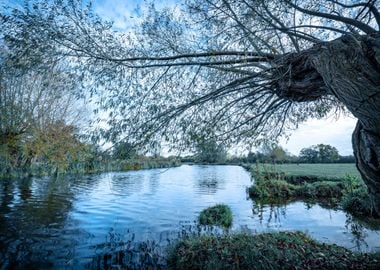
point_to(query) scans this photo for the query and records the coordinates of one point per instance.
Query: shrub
(220, 215)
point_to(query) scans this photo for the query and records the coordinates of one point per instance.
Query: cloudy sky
(336, 132)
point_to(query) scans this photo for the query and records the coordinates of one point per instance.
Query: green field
(337, 170)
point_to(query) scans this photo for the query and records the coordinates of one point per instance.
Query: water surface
(76, 222)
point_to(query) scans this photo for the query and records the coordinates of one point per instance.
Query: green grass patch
(279, 250)
(331, 170)
(220, 215)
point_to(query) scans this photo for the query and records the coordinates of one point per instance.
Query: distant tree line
(320, 153)
(212, 152)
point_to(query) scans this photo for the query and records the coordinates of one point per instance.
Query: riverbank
(277, 250)
(333, 186)
(107, 165)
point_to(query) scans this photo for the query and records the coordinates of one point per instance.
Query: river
(81, 222)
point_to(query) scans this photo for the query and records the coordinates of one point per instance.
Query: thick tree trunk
(349, 69)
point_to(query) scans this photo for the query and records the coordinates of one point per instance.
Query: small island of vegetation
(220, 215)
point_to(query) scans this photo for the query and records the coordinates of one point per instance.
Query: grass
(219, 215)
(334, 170)
(279, 250)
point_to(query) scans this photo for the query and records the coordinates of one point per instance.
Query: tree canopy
(320, 153)
(229, 65)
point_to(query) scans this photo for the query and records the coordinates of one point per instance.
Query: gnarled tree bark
(349, 69)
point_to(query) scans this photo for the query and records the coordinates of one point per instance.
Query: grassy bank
(336, 189)
(279, 250)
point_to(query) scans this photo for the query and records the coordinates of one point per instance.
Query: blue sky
(124, 13)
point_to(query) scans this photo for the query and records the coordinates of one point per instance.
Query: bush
(280, 250)
(220, 215)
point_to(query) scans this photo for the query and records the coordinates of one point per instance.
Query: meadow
(328, 170)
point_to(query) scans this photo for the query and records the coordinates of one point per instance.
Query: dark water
(78, 222)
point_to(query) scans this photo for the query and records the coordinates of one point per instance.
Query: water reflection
(113, 218)
(209, 181)
(321, 220)
(35, 231)
(126, 185)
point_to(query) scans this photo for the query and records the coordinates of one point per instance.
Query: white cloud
(336, 132)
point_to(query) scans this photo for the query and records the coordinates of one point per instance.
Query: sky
(336, 132)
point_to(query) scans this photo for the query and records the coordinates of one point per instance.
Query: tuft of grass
(279, 250)
(220, 215)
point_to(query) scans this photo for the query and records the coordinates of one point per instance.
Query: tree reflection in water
(273, 214)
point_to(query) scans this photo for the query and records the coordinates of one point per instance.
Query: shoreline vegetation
(275, 250)
(347, 192)
(90, 167)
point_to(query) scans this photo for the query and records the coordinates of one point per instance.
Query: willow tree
(242, 70)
